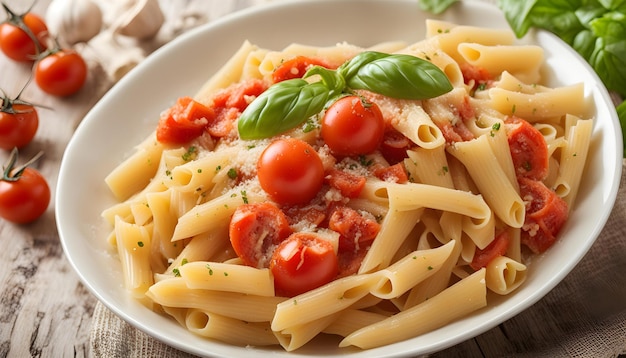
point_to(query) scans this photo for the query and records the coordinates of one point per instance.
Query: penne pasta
(257, 229)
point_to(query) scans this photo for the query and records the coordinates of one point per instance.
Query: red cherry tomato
(18, 125)
(18, 44)
(255, 230)
(290, 171)
(301, 263)
(24, 194)
(353, 127)
(61, 73)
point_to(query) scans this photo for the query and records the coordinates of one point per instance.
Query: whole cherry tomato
(61, 72)
(18, 123)
(303, 262)
(352, 126)
(23, 36)
(24, 192)
(290, 171)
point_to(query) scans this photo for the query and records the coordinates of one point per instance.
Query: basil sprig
(287, 104)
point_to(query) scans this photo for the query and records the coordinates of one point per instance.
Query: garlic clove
(141, 19)
(73, 21)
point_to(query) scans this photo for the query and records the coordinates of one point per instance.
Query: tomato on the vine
(352, 126)
(61, 72)
(303, 262)
(18, 123)
(24, 192)
(22, 36)
(290, 171)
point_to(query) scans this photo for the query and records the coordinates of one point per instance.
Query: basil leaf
(283, 106)
(436, 6)
(331, 79)
(621, 114)
(350, 68)
(401, 77)
(517, 13)
(609, 55)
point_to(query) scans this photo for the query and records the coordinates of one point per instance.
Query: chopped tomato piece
(255, 230)
(395, 173)
(528, 149)
(183, 122)
(350, 185)
(394, 146)
(466, 110)
(546, 213)
(454, 133)
(295, 68)
(475, 75)
(354, 229)
(496, 248)
(239, 95)
(311, 214)
(350, 261)
(230, 102)
(303, 262)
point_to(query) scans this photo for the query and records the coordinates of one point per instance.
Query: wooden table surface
(44, 309)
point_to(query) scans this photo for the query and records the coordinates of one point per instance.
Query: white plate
(129, 112)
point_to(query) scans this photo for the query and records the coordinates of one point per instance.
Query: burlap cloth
(584, 316)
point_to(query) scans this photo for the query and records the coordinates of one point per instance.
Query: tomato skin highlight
(18, 129)
(16, 44)
(351, 128)
(301, 263)
(255, 230)
(290, 171)
(62, 73)
(26, 199)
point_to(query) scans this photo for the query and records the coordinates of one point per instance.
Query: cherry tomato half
(62, 73)
(16, 43)
(18, 126)
(353, 127)
(303, 262)
(255, 230)
(24, 196)
(290, 171)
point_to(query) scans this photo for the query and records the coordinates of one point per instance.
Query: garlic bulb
(140, 19)
(115, 55)
(73, 21)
